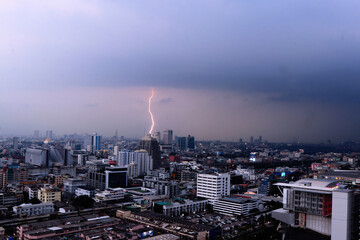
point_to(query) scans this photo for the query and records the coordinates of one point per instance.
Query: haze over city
(287, 71)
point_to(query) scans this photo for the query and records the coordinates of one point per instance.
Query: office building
(49, 134)
(162, 187)
(96, 174)
(168, 137)
(152, 146)
(116, 177)
(92, 143)
(212, 186)
(15, 143)
(236, 206)
(157, 136)
(71, 184)
(36, 134)
(190, 142)
(141, 162)
(321, 206)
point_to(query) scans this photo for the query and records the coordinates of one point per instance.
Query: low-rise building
(34, 209)
(49, 194)
(85, 190)
(236, 206)
(177, 207)
(111, 194)
(71, 184)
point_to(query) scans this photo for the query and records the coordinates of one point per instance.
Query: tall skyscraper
(181, 143)
(151, 145)
(36, 133)
(15, 143)
(190, 143)
(251, 139)
(49, 134)
(116, 135)
(260, 139)
(157, 136)
(168, 136)
(92, 143)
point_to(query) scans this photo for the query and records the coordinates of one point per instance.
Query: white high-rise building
(116, 150)
(213, 186)
(139, 158)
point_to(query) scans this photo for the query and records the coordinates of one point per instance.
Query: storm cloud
(290, 69)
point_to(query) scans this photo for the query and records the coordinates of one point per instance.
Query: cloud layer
(288, 59)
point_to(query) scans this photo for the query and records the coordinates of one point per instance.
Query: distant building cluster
(164, 186)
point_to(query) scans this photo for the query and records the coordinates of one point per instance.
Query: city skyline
(235, 70)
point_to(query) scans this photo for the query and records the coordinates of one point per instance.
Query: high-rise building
(92, 143)
(213, 186)
(157, 136)
(49, 134)
(168, 136)
(116, 150)
(140, 160)
(36, 133)
(251, 139)
(190, 142)
(185, 142)
(260, 139)
(151, 145)
(181, 143)
(15, 143)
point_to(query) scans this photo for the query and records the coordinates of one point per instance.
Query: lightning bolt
(151, 115)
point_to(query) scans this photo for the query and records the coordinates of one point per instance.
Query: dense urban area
(169, 187)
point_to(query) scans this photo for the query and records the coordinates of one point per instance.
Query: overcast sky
(286, 70)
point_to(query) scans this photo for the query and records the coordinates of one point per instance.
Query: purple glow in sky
(286, 70)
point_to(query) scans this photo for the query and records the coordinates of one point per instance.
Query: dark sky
(286, 70)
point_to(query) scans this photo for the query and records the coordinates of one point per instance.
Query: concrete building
(162, 187)
(111, 194)
(92, 143)
(319, 205)
(34, 209)
(49, 194)
(168, 137)
(84, 190)
(116, 177)
(15, 143)
(47, 156)
(71, 184)
(212, 186)
(236, 206)
(141, 160)
(152, 146)
(157, 136)
(178, 207)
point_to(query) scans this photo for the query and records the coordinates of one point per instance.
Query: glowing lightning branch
(151, 115)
